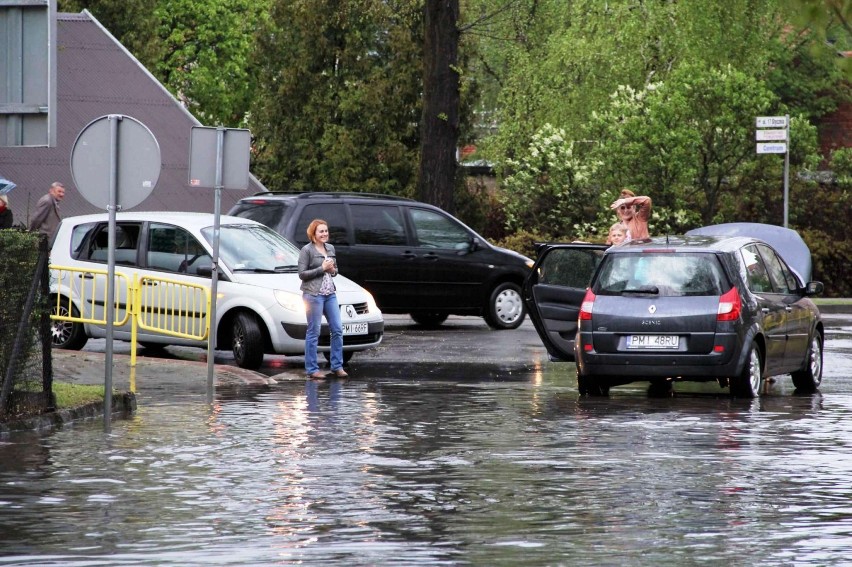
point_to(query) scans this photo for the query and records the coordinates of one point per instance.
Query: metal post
(211, 336)
(787, 176)
(110, 300)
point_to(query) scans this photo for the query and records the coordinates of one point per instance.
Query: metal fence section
(89, 288)
(151, 304)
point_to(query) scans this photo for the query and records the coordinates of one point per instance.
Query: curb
(123, 405)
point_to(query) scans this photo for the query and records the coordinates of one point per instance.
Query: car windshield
(254, 248)
(664, 274)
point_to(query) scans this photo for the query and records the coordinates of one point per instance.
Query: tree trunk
(441, 98)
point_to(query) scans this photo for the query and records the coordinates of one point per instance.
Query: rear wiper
(644, 289)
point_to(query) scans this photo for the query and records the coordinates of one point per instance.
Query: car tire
(247, 342)
(505, 309)
(809, 378)
(591, 388)
(347, 356)
(66, 334)
(429, 319)
(747, 384)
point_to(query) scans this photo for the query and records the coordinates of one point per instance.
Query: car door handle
(87, 276)
(150, 283)
(788, 308)
(409, 255)
(430, 256)
(764, 309)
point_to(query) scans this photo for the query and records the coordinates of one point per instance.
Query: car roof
(195, 221)
(691, 243)
(787, 242)
(351, 195)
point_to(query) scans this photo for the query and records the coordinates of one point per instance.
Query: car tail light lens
(730, 306)
(586, 306)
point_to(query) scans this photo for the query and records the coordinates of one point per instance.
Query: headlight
(290, 301)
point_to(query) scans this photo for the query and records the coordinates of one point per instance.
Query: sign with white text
(770, 135)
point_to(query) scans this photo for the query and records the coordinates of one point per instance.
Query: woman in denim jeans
(317, 267)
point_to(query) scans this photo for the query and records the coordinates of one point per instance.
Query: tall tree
(340, 103)
(441, 101)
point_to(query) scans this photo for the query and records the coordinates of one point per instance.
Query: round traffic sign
(137, 166)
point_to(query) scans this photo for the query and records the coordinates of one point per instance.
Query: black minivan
(413, 257)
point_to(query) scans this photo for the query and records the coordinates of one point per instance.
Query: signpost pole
(110, 299)
(217, 209)
(787, 175)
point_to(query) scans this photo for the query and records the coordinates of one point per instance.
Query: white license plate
(355, 329)
(653, 341)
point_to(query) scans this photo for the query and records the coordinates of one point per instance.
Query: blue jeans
(316, 306)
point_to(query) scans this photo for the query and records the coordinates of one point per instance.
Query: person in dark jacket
(46, 216)
(6, 217)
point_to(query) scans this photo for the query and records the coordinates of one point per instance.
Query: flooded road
(492, 463)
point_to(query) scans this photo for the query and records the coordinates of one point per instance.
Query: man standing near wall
(46, 216)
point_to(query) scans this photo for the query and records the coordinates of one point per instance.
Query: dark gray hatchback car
(718, 304)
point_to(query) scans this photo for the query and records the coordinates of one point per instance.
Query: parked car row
(718, 304)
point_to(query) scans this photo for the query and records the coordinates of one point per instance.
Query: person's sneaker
(340, 373)
(316, 375)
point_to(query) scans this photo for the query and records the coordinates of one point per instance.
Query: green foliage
(341, 104)
(524, 241)
(207, 46)
(547, 187)
(841, 165)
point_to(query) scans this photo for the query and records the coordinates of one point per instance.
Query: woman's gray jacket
(310, 267)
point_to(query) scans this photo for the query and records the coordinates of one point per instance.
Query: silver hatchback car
(719, 304)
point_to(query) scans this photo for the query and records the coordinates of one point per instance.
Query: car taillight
(729, 306)
(586, 306)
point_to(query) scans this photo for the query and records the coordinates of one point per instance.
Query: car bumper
(373, 337)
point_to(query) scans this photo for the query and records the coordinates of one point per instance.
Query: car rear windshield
(664, 274)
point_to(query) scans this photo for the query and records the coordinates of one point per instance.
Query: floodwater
(512, 470)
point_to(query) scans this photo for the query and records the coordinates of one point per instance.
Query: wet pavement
(422, 459)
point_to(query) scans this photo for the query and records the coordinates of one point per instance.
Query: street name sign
(771, 135)
(771, 121)
(772, 148)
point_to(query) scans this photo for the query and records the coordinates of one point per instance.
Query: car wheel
(67, 334)
(809, 378)
(588, 387)
(429, 319)
(347, 356)
(747, 384)
(505, 308)
(248, 342)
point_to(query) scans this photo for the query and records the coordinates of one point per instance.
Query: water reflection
(425, 471)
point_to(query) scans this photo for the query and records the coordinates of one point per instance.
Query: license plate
(653, 341)
(355, 329)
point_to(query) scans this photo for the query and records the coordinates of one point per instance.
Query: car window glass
(332, 213)
(757, 276)
(662, 274)
(96, 248)
(434, 230)
(173, 249)
(778, 273)
(569, 267)
(78, 240)
(254, 248)
(378, 224)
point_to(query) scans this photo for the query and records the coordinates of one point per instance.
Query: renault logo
(652, 309)
(350, 311)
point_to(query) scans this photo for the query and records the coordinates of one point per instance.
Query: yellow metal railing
(161, 305)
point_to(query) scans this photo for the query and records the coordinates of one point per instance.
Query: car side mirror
(814, 288)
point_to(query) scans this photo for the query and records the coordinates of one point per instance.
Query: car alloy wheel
(747, 384)
(809, 378)
(67, 334)
(247, 342)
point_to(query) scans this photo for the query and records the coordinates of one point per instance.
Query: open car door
(554, 291)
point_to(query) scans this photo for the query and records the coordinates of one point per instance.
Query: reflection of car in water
(259, 309)
(718, 304)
